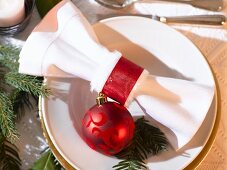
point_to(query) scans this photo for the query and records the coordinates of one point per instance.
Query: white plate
(153, 45)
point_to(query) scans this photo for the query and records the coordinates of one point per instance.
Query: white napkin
(63, 44)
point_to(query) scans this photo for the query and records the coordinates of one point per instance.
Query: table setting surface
(210, 40)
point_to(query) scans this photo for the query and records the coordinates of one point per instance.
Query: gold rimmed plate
(158, 48)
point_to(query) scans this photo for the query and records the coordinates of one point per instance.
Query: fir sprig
(7, 118)
(26, 83)
(47, 162)
(147, 140)
(9, 56)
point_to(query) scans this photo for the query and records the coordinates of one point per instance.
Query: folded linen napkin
(64, 44)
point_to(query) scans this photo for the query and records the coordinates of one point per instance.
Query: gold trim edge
(57, 155)
(202, 155)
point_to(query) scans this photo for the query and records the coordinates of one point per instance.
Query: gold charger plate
(206, 147)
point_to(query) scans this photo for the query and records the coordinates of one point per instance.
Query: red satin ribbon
(122, 80)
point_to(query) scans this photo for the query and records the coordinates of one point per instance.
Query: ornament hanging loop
(101, 99)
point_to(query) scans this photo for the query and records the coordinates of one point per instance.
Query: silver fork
(213, 5)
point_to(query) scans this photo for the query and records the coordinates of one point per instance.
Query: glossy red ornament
(108, 127)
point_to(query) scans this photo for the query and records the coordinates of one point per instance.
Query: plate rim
(208, 143)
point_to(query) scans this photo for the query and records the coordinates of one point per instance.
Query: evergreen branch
(9, 157)
(155, 140)
(47, 162)
(9, 56)
(27, 83)
(56, 162)
(129, 165)
(7, 118)
(3, 85)
(147, 140)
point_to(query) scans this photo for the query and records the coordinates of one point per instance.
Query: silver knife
(190, 19)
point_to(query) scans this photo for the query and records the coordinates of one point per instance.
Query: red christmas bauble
(108, 128)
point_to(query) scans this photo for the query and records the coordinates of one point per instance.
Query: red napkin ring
(122, 80)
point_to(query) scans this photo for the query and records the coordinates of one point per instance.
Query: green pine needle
(147, 140)
(27, 83)
(154, 140)
(130, 164)
(9, 56)
(9, 157)
(46, 162)
(7, 118)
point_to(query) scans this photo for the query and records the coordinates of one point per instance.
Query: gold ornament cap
(101, 99)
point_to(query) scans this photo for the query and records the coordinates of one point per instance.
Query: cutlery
(190, 19)
(213, 5)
